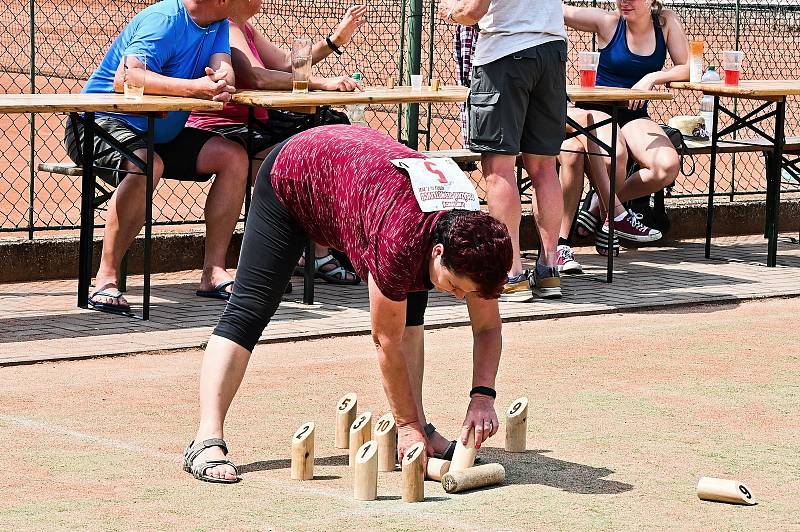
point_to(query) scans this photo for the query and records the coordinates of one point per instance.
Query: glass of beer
(732, 64)
(301, 64)
(134, 69)
(587, 65)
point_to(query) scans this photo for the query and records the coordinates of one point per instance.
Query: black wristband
(483, 390)
(332, 45)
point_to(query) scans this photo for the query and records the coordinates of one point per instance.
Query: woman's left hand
(352, 20)
(644, 84)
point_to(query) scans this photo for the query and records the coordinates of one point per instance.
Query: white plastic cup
(732, 65)
(416, 82)
(134, 71)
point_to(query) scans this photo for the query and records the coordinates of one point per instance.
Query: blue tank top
(619, 67)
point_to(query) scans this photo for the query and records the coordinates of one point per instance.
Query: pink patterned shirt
(340, 185)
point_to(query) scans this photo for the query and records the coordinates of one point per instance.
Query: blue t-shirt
(174, 46)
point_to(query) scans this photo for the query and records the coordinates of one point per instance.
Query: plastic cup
(696, 61)
(416, 82)
(587, 65)
(732, 65)
(301, 64)
(134, 72)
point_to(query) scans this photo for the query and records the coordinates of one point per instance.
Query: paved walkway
(39, 321)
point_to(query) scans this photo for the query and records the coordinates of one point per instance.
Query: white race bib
(439, 184)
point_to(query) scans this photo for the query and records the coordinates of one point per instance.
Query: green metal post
(431, 43)
(414, 58)
(735, 103)
(402, 67)
(32, 121)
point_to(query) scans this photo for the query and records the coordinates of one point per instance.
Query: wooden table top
(576, 93)
(74, 103)
(751, 88)
(400, 94)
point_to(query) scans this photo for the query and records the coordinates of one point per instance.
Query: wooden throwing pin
(345, 415)
(386, 436)
(517, 425)
(436, 468)
(303, 452)
(413, 474)
(360, 432)
(474, 477)
(464, 455)
(365, 473)
(723, 490)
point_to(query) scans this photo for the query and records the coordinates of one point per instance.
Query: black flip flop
(121, 310)
(218, 292)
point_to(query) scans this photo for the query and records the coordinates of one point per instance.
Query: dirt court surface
(627, 412)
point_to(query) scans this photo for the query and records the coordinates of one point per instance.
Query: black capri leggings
(273, 243)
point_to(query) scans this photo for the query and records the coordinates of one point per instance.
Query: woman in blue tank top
(634, 42)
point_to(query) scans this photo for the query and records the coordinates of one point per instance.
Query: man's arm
(464, 12)
(207, 87)
(484, 315)
(388, 323)
(222, 65)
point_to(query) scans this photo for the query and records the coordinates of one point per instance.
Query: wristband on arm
(332, 45)
(483, 390)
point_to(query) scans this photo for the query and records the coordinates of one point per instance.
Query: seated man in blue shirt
(186, 50)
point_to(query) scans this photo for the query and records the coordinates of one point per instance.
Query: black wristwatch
(332, 45)
(483, 390)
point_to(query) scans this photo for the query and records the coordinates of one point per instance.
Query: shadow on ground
(285, 463)
(533, 467)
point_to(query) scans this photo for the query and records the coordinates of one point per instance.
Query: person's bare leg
(228, 160)
(413, 346)
(656, 155)
(222, 371)
(571, 178)
(599, 165)
(547, 203)
(502, 196)
(125, 218)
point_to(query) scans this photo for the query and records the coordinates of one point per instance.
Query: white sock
(621, 216)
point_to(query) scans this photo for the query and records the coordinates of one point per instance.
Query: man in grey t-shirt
(517, 104)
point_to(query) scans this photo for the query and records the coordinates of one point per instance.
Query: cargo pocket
(484, 118)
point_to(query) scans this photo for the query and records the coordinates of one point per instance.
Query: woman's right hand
(352, 20)
(407, 436)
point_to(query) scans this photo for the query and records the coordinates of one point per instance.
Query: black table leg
(612, 191)
(711, 176)
(87, 212)
(773, 200)
(148, 217)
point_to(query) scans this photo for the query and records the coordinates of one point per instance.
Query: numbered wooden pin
(436, 468)
(360, 432)
(723, 490)
(464, 455)
(474, 477)
(386, 436)
(517, 425)
(414, 474)
(345, 415)
(303, 452)
(365, 474)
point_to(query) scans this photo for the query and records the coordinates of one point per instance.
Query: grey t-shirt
(513, 25)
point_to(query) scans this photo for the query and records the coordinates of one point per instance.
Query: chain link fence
(53, 47)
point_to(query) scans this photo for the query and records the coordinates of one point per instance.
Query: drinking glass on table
(732, 65)
(301, 64)
(134, 70)
(587, 65)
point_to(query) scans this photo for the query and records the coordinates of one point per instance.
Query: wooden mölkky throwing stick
(346, 410)
(386, 436)
(365, 472)
(303, 452)
(414, 474)
(360, 432)
(436, 468)
(464, 455)
(474, 477)
(517, 426)
(723, 490)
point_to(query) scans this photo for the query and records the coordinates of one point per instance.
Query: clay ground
(627, 412)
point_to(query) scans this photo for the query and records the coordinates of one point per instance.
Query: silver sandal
(199, 470)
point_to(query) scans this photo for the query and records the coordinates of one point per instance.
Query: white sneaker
(566, 260)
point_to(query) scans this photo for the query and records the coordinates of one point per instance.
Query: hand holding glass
(134, 70)
(301, 64)
(587, 65)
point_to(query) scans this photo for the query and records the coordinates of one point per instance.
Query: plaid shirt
(464, 46)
